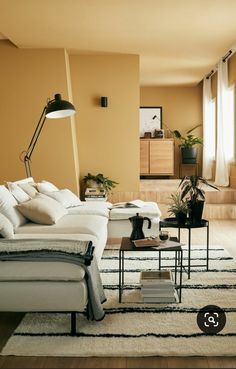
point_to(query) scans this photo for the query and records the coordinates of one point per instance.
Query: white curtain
(209, 131)
(222, 161)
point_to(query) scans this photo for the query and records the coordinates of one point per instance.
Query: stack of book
(157, 286)
(95, 194)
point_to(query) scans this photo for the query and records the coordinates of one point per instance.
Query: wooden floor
(222, 232)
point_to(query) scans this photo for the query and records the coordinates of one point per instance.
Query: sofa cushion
(29, 188)
(74, 224)
(40, 271)
(17, 192)
(46, 186)
(8, 208)
(42, 210)
(65, 197)
(101, 208)
(6, 227)
(150, 210)
(24, 180)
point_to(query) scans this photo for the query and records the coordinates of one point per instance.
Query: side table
(127, 245)
(172, 223)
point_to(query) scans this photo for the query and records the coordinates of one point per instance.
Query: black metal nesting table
(172, 223)
(127, 245)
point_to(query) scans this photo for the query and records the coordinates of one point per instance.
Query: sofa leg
(73, 324)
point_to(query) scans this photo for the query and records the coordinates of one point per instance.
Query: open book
(130, 204)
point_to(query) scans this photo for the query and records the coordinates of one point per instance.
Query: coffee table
(172, 223)
(128, 245)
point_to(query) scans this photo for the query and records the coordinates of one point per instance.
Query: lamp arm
(33, 142)
(35, 134)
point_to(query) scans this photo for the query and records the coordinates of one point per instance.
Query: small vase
(189, 156)
(181, 218)
(196, 212)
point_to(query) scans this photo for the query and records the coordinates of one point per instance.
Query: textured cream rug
(132, 329)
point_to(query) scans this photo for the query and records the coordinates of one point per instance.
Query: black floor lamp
(56, 108)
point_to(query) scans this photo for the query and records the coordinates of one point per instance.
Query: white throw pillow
(46, 186)
(17, 192)
(25, 180)
(29, 188)
(6, 227)
(8, 207)
(66, 198)
(42, 210)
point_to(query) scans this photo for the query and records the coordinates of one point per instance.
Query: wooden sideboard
(157, 156)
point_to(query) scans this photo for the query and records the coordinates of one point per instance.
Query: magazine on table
(129, 204)
(156, 242)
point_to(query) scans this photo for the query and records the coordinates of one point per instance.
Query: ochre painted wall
(181, 110)
(27, 78)
(108, 138)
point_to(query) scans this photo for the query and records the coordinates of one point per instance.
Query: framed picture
(150, 119)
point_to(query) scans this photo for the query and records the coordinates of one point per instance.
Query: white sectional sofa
(57, 286)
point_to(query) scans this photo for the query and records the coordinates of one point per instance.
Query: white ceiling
(179, 41)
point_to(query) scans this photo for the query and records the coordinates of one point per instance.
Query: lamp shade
(59, 108)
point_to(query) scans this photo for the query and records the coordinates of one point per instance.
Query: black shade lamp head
(104, 101)
(58, 108)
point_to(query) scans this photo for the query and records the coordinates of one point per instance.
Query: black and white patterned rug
(134, 329)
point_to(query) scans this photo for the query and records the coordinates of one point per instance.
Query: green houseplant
(187, 145)
(192, 191)
(99, 180)
(179, 208)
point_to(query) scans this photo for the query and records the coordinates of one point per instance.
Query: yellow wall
(181, 110)
(108, 138)
(28, 78)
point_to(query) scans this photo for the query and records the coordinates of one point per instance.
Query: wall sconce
(104, 101)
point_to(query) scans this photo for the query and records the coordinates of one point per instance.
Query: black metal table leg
(207, 265)
(180, 275)
(159, 260)
(175, 267)
(120, 291)
(179, 234)
(178, 257)
(123, 272)
(189, 252)
(73, 324)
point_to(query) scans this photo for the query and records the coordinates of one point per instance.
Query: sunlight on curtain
(229, 136)
(225, 126)
(209, 129)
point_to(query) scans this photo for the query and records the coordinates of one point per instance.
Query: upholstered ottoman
(120, 226)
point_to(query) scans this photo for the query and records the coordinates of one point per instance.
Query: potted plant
(187, 143)
(179, 208)
(191, 190)
(99, 180)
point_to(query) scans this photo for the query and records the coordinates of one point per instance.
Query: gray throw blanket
(61, 250)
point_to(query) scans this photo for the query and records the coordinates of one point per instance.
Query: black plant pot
(181, 218)
(196, 210)
(189, 156)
